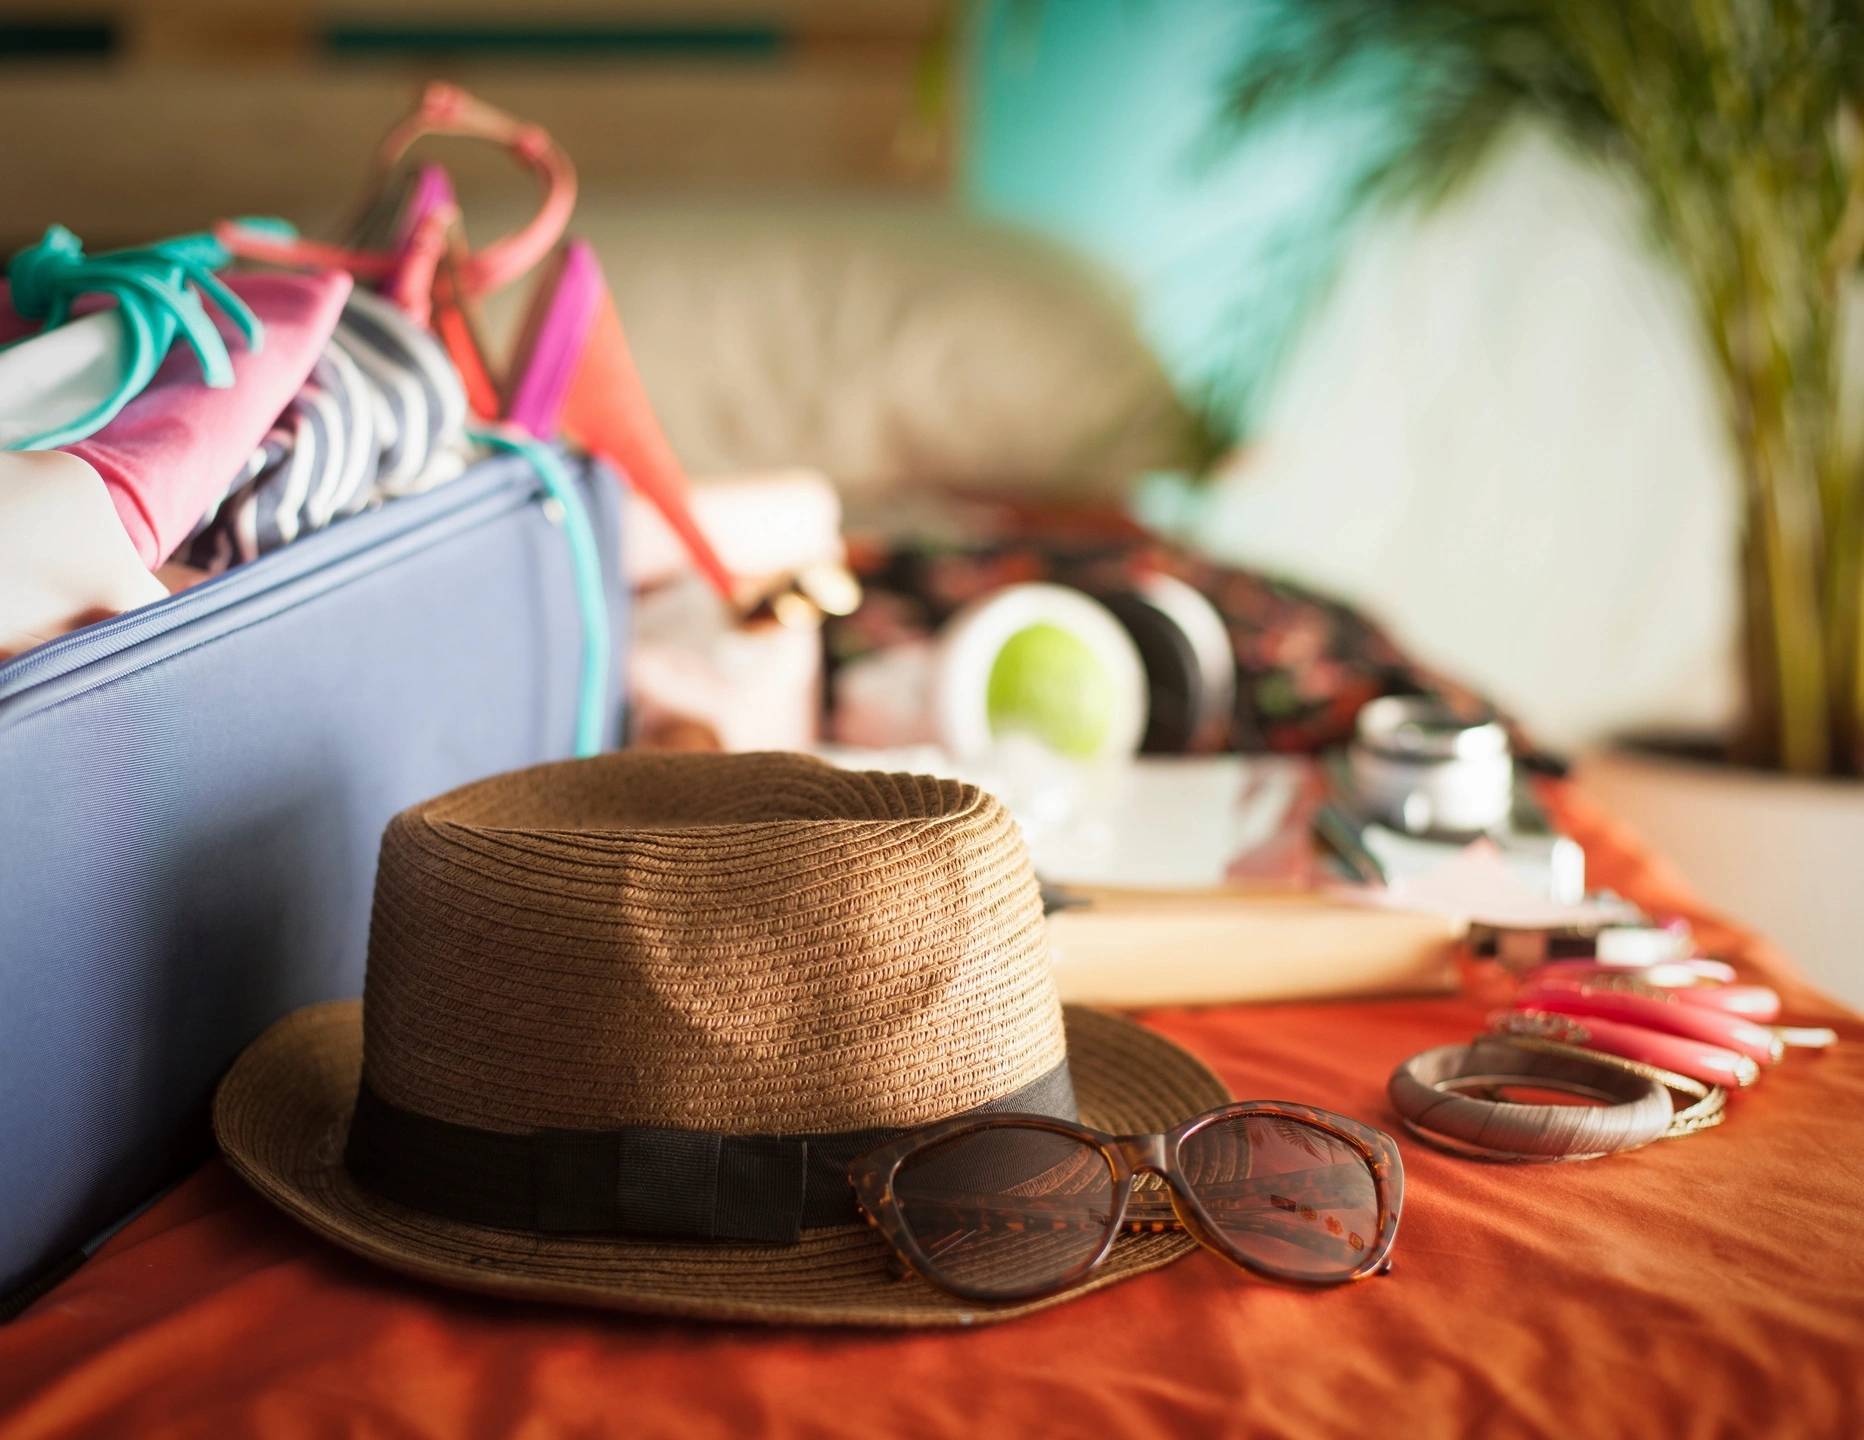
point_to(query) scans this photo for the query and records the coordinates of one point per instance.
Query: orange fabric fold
(1708, 1287)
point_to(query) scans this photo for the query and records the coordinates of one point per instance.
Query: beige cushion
(885, 344)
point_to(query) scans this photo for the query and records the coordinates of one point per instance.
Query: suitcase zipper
(246, 594)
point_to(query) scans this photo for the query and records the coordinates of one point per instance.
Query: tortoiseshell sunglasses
(1016, 1207)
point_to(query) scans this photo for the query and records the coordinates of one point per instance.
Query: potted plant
(1738, 121)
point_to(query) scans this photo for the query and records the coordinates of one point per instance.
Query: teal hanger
(157, 289)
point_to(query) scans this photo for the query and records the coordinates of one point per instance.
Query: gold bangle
(1709, 1103)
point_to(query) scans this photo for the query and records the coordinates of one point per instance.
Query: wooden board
(1137, 949)
(214, 107)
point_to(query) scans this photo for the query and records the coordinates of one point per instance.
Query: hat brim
(282, 1116)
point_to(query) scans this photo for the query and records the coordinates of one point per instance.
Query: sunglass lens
(1007, 1212)
(1285, 1193)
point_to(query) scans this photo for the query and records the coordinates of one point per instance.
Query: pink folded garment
(173, 450)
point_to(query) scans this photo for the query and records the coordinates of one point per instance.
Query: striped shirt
(383, 414)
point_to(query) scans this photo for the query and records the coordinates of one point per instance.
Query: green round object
(1049, 683)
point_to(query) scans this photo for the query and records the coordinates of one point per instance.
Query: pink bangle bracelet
(1687, 967)
(1711, 1064)
(1657, 1012)
(1757, 1003)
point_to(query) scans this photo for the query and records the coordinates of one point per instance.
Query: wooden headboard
(126, 119)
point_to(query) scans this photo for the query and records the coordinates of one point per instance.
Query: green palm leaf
(1738, 122)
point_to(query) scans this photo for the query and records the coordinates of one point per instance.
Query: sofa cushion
(885, 343)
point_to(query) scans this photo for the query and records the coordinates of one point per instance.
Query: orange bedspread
(1708, 1288)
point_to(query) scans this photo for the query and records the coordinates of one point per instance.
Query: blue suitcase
(191, 797)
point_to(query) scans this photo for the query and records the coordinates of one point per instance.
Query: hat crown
(746, 944)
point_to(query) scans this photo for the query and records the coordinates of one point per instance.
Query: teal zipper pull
(585, 572)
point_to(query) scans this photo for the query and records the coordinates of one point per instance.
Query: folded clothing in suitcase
(191, 799)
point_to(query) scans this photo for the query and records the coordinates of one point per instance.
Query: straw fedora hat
(626, 1020)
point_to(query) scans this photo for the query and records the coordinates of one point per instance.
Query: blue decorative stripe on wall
(658, 42)
(39, 39)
